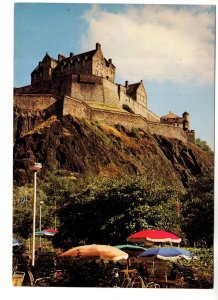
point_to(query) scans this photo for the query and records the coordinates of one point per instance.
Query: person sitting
(143, 271)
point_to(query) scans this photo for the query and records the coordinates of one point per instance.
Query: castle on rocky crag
(83, 85)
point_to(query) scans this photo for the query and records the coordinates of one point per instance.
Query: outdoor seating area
(136, 266)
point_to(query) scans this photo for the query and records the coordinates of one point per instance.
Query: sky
(170, 47)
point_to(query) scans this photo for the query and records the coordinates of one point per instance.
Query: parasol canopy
(100, 251)
(16, 242)
(131, 249)
(167, 253)
(50, 230)
(154, 236)
(44, 233)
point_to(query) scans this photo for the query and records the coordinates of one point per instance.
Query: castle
(83, 85)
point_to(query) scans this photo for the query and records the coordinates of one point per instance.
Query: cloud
(155, 42)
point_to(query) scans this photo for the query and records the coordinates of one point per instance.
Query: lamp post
(35, 167)
(40, 220)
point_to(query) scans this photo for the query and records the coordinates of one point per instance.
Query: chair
(31, 277)
(137, 282)
(126, 283)
(17, 278)
(43, 281)
(152, 285)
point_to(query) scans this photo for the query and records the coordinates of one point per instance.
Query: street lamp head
(36, 167)
(41, 202)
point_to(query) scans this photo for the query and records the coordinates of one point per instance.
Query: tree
(204, 146)
(198, 214)
(23, 210)
(109, 211)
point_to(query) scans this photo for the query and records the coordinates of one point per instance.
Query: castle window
(96, 62)
(76, 64)
(84, 63)
(96, 73)
(101, 66)
(101, 75)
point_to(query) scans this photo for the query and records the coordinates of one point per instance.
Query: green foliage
(198, 211)
(198, 272)
(86, 273)
(23, 210)
(204, 146)
(54, 191)
(108, 212)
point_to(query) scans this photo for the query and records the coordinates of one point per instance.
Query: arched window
(96, 73)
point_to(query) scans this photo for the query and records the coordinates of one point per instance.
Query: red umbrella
(50, 230)
(154, 236)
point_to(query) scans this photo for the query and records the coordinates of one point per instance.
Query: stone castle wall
(90, 88)
(34, 102)
(97, 89)
(80, 109)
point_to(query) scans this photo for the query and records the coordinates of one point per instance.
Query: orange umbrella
(99, 251)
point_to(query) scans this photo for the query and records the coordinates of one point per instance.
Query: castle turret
(186, 121)
(98, 46)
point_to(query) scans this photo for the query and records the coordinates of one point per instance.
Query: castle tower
(186, 121)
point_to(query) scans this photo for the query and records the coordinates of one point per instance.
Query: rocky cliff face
(90, 148)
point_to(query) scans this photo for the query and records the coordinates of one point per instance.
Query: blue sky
(170, 47)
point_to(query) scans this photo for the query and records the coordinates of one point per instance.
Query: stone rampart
(80, 109)
(76, 107)
(34, 102)
(167, 130)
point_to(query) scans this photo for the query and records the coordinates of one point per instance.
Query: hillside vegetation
(90, 148)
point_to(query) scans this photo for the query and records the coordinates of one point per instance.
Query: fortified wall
(80, 109)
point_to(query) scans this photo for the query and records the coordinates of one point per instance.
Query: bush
(197, 273)
(79, 272)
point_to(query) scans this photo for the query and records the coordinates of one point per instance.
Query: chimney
(71, 54)
(98, 46)
(110, 61)
(60, 57)
(126, 84)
